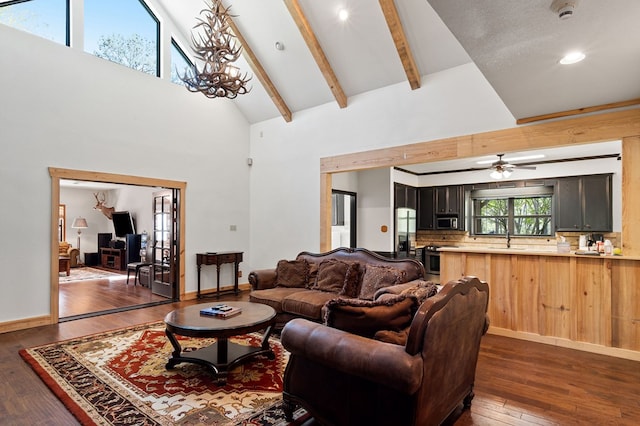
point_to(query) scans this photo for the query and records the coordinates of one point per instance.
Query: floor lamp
(79, 223)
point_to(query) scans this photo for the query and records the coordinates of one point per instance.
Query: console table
(219, 258)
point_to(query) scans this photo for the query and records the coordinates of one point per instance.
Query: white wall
(375, 195)
(285, 186)
(63, 108)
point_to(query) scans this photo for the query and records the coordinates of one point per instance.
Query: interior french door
(165, 242)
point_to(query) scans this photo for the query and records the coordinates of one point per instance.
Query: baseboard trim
(23, 324)
(193, 295)
(570, 344)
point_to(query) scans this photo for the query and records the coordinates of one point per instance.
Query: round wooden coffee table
(222, 356)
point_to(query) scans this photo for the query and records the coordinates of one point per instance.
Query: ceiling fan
(503, 169)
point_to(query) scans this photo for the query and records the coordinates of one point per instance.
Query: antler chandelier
(216, 47)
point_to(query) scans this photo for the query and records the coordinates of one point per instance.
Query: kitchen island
(590, 303)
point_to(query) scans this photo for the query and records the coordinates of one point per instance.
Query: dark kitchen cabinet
(448, 199)
(584, 203)
(406, 196)
(426, 211)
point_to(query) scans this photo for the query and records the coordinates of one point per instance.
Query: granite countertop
(528, 252)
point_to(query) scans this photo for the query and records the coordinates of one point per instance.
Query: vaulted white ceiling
(515, 44)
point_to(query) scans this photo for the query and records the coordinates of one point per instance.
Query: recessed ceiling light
(343, 14)
(572, 58)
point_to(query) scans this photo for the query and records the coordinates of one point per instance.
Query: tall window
(524, 215)
(179, 63)
(123, 31)
(45, 18)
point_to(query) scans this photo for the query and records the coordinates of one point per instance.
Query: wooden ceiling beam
(316, 50)
(402, 44)
(578, 111)
(262, 75)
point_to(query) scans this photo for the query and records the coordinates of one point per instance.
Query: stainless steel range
(431, 259)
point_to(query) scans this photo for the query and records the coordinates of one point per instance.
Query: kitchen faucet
(508, 239)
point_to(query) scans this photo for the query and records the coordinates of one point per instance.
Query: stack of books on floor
(221, 311)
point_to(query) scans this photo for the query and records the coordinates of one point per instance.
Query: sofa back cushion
(334, 275)
(292, 273)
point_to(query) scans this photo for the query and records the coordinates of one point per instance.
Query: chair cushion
(292, 273)
(366, 317)
(376, 277)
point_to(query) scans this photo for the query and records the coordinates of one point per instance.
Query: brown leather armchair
(67, 250)
(345, 379)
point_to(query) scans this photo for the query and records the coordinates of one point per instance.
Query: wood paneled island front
(590, 303)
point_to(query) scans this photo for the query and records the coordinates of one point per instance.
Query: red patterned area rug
(119, 377)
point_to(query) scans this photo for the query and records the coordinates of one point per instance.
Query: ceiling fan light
(496, 174)
(506, 173)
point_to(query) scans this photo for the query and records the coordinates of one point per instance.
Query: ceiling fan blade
(526, 167)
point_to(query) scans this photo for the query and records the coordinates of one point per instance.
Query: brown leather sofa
(344, 379)
(304, 292)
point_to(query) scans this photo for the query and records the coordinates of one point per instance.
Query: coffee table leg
(265, 342)
(177, 350)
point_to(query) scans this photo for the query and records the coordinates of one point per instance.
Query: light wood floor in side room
(517, 382)
(82, 297)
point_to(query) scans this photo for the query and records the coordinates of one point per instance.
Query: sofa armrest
(73, 254)
(384, 363)
(262, 278)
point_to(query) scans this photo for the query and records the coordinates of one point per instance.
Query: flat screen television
(122, 224)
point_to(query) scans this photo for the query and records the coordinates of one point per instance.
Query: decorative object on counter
(563, 246)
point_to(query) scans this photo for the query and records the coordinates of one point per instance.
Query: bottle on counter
(608, 248)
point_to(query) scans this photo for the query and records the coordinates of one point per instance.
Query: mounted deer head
(107, 211)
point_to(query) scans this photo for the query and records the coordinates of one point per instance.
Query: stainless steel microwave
(447, 222)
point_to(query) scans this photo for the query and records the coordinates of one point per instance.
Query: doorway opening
(344, 219)
(115, 292)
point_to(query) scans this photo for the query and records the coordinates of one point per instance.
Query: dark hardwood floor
(82, 297)
(517, 382)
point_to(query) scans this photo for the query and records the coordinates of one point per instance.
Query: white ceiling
(515, 43)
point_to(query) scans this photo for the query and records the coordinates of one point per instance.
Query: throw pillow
(376, 277)
(367, 317)
(421, 291)
(292, 273)
(313, 274)
(351, 286)
(332, 275)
